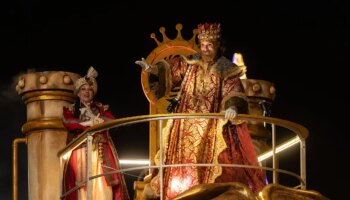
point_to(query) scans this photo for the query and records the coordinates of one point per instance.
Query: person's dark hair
(77, 108)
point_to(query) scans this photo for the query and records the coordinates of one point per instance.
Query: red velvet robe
(206, 140)
(105, 159)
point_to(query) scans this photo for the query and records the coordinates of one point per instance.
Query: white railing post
(303, 162)
(160, 128)
(274, 159)
(89, 167)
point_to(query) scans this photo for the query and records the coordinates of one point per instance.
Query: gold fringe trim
(220, 146)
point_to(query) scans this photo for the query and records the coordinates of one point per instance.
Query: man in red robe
(84, 113)
(210, 83)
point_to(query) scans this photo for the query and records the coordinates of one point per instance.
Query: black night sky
(300, 46)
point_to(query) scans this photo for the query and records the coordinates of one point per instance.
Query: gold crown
(209, 31)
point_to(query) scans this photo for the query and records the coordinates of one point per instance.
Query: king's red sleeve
(70, 122)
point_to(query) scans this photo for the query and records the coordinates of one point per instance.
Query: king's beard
(209, 58)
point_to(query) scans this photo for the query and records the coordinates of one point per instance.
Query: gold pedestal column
(45, 94)
(260, 95)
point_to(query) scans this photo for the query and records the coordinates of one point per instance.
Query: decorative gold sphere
(21, 83)
(43, 79)
(272, 90)
(256, 87)
(67, 80)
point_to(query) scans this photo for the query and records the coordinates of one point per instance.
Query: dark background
(300, 46)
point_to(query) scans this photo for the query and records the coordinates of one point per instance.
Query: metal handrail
(301, 131)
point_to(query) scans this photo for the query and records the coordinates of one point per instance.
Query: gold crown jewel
(209, 31)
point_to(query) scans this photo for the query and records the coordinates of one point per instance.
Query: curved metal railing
(300, 131)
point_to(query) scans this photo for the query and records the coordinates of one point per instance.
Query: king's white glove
(230, 113)
(145, 66)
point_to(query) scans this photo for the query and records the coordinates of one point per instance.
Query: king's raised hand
(143, 63)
